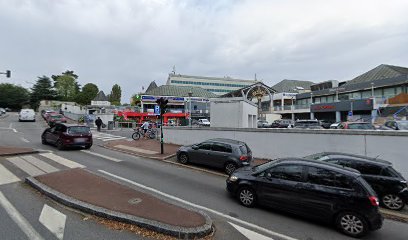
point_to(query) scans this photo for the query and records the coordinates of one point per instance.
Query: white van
(26, 115)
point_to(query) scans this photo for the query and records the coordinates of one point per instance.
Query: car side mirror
(195, 147)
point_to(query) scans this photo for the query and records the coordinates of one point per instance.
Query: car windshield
(360, 126)
(79, 129)
(204, 120)
(403, 125)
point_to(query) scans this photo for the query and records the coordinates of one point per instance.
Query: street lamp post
(372, 90)
(190, 94)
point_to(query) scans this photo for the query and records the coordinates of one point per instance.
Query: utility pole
(163, 105)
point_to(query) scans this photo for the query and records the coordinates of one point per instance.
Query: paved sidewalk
(81, 189)
(9, 151)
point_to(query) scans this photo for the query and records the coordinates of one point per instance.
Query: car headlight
(233, 178)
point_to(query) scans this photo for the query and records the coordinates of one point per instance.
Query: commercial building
(215, 85)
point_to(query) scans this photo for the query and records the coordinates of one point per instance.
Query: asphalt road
(204, 190)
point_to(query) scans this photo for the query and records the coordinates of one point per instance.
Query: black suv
(314, 189)
(227, 154)
(389, 184)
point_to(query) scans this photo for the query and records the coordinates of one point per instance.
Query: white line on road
(54, 220)
(61, 160)
(24, 140)
(25, 166)
(261, 229)
(40, 164)
(102, 156)
(251, 235)
(14, 130)
(6, 176)
(24, 225)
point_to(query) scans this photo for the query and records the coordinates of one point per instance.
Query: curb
(176, 231)
(138, 155)
(18, 153)
(394, 216)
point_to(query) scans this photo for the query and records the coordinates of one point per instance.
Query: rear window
(366, 186)
(82, 130)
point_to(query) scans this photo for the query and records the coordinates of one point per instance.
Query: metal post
(161, 133)
(189, 119)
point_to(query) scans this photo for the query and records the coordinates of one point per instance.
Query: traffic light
(8, 73)
(163, 104)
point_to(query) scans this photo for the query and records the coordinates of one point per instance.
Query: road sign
(350, 113)
(157, 110)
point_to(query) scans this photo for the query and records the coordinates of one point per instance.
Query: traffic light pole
(161, 134)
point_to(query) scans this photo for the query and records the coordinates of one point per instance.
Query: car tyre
(230, 167)
(60, 145)
(247, 197)
(393, 202)
(352, 224)
(183, 158)
(43, 140)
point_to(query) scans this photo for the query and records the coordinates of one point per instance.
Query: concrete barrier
(277, 143)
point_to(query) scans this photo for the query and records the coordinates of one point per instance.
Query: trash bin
(110, 125)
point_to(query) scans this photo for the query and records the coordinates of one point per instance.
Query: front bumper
(404, 195)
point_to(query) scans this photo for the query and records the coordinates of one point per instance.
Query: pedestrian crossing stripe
(106, 136)
(6, 176)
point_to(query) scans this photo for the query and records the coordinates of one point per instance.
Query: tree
(66, 85)
(135, 100)
(13, 96)
(89, 92)
(115, 95)
(42, 90)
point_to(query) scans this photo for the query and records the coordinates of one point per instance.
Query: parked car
(308, 124)
(26, 115)
(68, 135)
(390, 185)
(335, 125)
(310, 188)
(282, 123)
(326, 123)
(204, 122)
(395, 125)
(221, 153)
(263, 124)
(46, 113)
(2, 111)
(55, 118)
(357, 125)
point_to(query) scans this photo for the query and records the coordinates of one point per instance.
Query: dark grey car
(227, 154)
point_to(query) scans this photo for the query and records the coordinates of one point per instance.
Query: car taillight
(374, 201)
(243, 158)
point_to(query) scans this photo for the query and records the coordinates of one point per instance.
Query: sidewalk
(10, 151)
(88, 192)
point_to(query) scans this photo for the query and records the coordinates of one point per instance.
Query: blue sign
(157, 110)
(350, 113)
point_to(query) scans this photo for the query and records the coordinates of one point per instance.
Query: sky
(135, 42)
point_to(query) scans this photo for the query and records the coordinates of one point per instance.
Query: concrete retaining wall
(276, 143)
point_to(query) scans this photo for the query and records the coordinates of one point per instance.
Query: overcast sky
(132, 43)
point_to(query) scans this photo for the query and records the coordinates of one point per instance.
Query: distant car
(68, 135)
(357, 126)
(2, 111)
(204, 122)
(390, 185)
(313, 189)
(26, 115)
(335, 125)
(46, 113)
(326, 123)
(221, 153)
(282, 123)
(308, 124)
(56, 118)
(395, 125)
(263, 124)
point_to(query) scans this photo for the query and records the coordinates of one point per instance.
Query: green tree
(136, 99)
(89, 92)
(115, 95)
(66, 85)
(13, 96)
(42, 90)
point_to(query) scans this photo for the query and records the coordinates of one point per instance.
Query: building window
(366, 94)
(317, 100)
(398, 90)
(343, 97)
(331, 98)
(389, 92)
(323, 99)
(356, 95)
(378, 93)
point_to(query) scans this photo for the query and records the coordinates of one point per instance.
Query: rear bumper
(404, 195)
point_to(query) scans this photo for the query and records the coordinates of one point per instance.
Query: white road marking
(24, 140)
(14, 130)
(24, 225)
(25, 166)
(251, 235)
(61, 160)
(6, 176)
(102, 156)
(244, 223)
(112, 139)
(40, 164)
(136, 149)
(53, 220)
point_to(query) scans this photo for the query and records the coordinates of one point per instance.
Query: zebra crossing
(106, 136)
(33, 165)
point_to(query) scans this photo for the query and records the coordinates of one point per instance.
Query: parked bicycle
(150, 133)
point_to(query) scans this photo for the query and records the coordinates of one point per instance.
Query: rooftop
(380, 72)
(180, 91)
(289, 86)
(212, 78)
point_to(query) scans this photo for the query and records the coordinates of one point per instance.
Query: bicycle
(150, 133)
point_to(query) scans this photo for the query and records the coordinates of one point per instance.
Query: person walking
(98, 123)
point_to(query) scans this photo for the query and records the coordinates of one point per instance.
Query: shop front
(351, 110)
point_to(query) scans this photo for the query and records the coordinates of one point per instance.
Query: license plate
(79, 140)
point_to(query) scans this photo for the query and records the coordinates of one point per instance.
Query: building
(215, 85)
(234, 112)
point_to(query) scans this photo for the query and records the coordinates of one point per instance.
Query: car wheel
(247, 197)
(230, 167)
(352, 224)
(43, 140)
(60, 145)
(183, 158)
(393, 202)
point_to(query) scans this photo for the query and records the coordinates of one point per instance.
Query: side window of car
(369, 169)
(346, 163)
(324, 177)
(221, 147)
(286, 172)
(204, 146)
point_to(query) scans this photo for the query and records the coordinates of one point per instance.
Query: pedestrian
(98, 123)
(145, 127)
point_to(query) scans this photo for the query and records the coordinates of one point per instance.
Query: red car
(55, 118)
(68, 135)
(356, 126)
